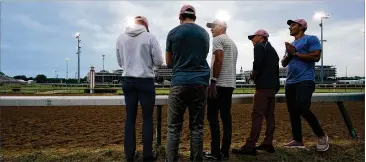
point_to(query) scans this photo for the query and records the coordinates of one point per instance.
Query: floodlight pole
(78, 53)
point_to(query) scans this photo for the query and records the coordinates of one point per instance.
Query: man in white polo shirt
(222, 84)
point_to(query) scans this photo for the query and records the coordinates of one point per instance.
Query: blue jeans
(135, 90)
(181, 97)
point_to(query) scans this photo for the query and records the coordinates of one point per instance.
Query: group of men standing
(194, 85)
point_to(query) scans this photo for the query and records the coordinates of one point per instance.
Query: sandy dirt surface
(71, 128)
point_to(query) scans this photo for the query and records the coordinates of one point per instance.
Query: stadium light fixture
(130, 21)
(77, 35)
(320, 15)
(223, 15)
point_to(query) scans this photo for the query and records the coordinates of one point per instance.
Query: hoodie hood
(135, 30)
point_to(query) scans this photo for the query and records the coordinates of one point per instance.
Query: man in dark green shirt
(187, 48)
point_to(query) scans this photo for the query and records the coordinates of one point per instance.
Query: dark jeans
(135, 90)
(298, 98)
(220, 104)
(181, 97)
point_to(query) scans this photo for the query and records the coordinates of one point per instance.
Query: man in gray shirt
(138, 51)
(222, 84)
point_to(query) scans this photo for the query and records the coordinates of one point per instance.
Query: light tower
(103, 67)
(77, 35)
(321, 16)
(67, 68)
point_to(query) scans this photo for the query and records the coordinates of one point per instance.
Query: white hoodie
(138, 52)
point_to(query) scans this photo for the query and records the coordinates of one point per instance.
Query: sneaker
(132, 158)
(295, 144)
(266, 147)
(225, 157)
(151, 158)
(209, 156)
(245, 150)
(322, 143)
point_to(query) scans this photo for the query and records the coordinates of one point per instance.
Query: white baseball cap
(217, 22)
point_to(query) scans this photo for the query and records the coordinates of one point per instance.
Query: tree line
(41, 78)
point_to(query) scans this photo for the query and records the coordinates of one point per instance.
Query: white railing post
(92, 79)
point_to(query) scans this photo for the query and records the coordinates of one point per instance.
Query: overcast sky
(36, 37)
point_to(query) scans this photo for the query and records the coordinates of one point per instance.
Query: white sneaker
(322, 144)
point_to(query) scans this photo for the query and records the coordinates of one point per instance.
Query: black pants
(298, 98)
(220, 104)
(135, 90)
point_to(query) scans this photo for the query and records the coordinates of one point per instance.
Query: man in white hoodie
(138, 52)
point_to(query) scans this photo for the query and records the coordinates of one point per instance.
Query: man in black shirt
(265, 74)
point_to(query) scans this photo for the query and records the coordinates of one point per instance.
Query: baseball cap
(302, 22)
(217, 22)
(184, 9)
(143, 19)
(260, 32)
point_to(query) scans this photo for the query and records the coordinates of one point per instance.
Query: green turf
(340, 150)
(31, 89)
(165, 91)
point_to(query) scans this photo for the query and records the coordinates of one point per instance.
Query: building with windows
(241, 75)
(330, 73)
(107, 77)
(163, 73)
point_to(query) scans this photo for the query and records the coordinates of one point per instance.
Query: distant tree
(159, 79)
(23, 77)
(30, 78)
(40, 78)
(2, 74)
(72, 81)
(83, 79)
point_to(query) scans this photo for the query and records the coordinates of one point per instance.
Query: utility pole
(67, 68)
(103, 61)
(1, 2)
(323, 16)
(103, 68)
(56, 76)
(321, 72)
(78, 53)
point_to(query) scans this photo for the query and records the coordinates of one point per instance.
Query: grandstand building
(162, 73)
(9, 80)
(165, 73)
(330, 73)
(107, 77)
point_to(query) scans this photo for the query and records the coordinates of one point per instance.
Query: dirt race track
(27, 129)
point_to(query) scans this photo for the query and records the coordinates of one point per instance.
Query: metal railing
(11, 101)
